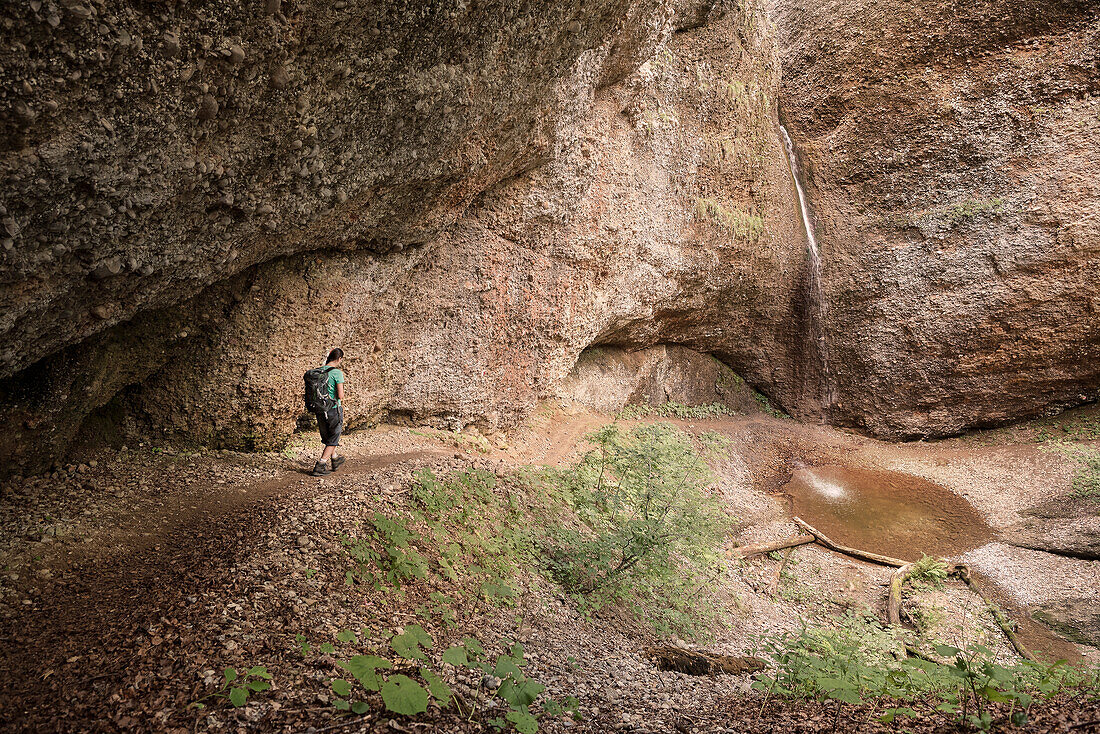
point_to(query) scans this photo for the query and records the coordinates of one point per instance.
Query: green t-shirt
(335, 377)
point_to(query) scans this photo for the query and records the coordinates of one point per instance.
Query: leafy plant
(928, 572)
(674, 410)
(767, 406)
(385, 556)
(1086, 479)
(647, 530)
(857, 661)
(402, 693)
(237, 687)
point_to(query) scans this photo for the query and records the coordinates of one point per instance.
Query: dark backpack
(317, 397)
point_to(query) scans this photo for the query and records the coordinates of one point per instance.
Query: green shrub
(646, 530)
(385, 556)
(858, 661)
(674, 410)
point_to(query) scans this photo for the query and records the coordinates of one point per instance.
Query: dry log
(748, 551)
(693, 662)
(853, 552)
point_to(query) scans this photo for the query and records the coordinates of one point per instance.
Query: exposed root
(779, 570)
(893, 601)
(748, 551)
(897, 581)
(963, 571)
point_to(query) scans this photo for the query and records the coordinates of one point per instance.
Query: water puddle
(890, 513)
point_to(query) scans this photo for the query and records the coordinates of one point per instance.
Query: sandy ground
(130, 579)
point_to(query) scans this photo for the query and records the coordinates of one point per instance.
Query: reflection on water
(890, 513)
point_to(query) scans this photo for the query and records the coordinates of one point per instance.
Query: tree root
(897, 581)
(748, 551)
(893, 601)
(779, 570)
(963, 572)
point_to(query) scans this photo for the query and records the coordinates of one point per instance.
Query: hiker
(324, 393)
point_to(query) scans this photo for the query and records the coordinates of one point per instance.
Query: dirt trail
(75, 631)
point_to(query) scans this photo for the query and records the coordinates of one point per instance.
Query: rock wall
(663, 214)
(148, 150)
(608, 379)
(953, 158)
(199, 201)
(623, 185)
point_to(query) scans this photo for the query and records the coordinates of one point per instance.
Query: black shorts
(331, 424)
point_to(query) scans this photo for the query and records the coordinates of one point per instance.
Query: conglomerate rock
(953, 160)
(148, 150)
(663, 214)
(561, 177)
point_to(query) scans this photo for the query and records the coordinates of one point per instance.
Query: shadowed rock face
(952, 153)
(148, 150)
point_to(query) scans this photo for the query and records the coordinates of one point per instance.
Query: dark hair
(334, 355)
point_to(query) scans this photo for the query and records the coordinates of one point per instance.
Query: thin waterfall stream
(818, 310)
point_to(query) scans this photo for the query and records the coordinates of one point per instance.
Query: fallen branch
(893, 601)
(748, 551)
(963, 572)
(693, 662)
(853, 552)
(779, 571)
(897, 580)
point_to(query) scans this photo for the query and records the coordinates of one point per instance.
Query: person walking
(324, 398)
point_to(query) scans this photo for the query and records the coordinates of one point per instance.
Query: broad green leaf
(238, 696)
(520, 694)
(408, 646)
(260, 671)
(327, 648)
(345, 636)
(506, 666)
(341, 687)
(364, 668)
(845, 695)
(258, 685)
(439, 690)
(473, 647)
(418, 633)
(342, 704)
(524, 722)
(402, 695)
(360, 707)
(946, 650)
(456, 656)
(230, 675)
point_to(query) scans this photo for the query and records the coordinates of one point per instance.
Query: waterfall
(815, 292)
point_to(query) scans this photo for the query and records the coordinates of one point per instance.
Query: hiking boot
(337, 462)
(320, 469)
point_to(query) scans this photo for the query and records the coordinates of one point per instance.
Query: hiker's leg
(333, 422)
